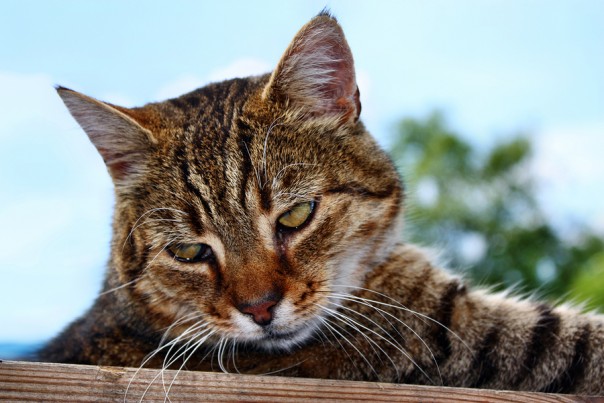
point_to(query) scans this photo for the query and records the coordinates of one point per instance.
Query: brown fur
(348, 300)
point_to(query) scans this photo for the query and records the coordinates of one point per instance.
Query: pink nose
(261, 312)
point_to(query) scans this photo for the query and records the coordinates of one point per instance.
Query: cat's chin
(283, 341)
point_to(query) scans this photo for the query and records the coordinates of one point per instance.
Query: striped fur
(219, 166)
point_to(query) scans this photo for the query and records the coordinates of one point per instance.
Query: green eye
(297, 216)
(190, 252)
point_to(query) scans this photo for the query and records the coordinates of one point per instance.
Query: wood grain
(29, 381)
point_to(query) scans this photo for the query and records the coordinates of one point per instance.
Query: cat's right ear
(119, 138)
(316, 73)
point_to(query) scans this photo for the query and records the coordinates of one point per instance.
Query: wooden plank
(30, 381)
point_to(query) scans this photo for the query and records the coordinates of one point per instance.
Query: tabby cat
(256, 229)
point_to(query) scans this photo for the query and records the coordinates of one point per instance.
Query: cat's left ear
(116, 132)
(316, 73)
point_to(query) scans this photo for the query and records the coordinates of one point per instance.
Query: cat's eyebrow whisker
(268, 132)
(367, 302)
(296, 195)
(179, 197)
(158, 253)
(151, 211)
(257, 174)
(119, 287)
(282, 170)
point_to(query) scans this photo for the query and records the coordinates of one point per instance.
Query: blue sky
(494, 67)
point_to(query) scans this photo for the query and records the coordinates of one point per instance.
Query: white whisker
(331, 325)
(121, 286)
(193, 349)
(397, 305)
(151, 211)
(268, 132)
(367, 302)
(257, 174)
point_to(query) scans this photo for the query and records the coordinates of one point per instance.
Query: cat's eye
(297, 216)
(190, 252)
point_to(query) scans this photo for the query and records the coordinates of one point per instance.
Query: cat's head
(247, 205)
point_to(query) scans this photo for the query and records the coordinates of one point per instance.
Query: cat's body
(257, 228)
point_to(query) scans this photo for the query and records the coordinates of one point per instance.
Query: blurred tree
(480, 207)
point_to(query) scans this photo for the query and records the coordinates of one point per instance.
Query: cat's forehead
(216, 105)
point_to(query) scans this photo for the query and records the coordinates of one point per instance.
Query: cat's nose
(262, 310)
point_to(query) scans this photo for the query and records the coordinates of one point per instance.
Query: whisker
(121, 286)
(398, 305)
(331, 326)
(233, 355)
(193, 349)
(355, 325)
(165, 365)
(276, 177)
(153, 354)
(257, 174)
(221, 347)
(393, 342)
(151, 211)
(161, 372)
(268, 132)
(367, 302)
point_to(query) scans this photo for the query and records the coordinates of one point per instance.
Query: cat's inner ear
(119, 138)
(316, 72)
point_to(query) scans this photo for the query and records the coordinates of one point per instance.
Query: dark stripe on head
(544, 334)
(265, 198)
(186, 173)
(359, 190)
(482, 360)
(567, 381)
(192, 100)
(246, 167)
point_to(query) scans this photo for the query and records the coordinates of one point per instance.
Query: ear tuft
(316, 73)
(119, 138)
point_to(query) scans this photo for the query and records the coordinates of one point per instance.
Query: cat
(257, 229)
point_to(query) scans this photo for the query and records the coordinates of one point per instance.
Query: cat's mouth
(272, 338)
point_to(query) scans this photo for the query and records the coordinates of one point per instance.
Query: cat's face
(244, 207)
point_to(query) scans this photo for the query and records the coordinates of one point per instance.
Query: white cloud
(54, 226)
(188, 82)
(569, 167)
(120, 99)
(240, 68)
(51, 262)
(179, 86)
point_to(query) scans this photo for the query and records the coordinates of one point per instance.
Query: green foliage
(480, 206)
